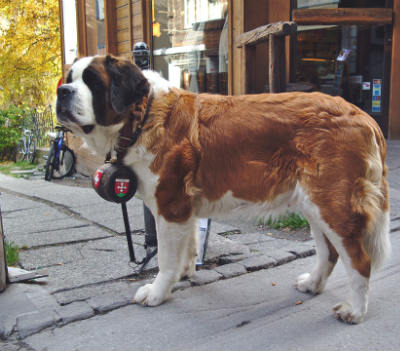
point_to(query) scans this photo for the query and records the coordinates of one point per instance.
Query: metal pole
(150, 228)
(128, 232)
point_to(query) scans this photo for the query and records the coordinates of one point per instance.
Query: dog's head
(98, 93)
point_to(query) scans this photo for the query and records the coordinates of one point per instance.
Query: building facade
(349, 48)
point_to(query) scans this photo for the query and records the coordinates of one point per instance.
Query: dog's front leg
(172, 244)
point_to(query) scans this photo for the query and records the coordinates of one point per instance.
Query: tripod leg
(150, 227)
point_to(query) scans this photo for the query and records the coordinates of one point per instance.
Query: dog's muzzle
(65, 94)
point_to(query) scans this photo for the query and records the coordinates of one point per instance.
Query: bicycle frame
(59, 141)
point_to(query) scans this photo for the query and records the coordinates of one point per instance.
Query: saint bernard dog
(207, 156)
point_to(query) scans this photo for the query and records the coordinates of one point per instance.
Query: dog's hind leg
(358, 268)
(172, 256)
(327, 256)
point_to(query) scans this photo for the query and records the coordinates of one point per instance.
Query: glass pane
(70, 31)
(190, 43)
(344, 60)
(332, 4)
(95, 27)
(308, 4)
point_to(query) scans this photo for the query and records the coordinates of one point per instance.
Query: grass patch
(291, 220)
(12, 253)
(8, 167)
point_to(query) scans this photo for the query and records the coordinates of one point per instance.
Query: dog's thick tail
(371, 199)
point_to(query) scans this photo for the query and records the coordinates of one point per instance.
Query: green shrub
(11, 122)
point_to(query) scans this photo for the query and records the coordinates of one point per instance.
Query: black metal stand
(128, 233)
(149, 253)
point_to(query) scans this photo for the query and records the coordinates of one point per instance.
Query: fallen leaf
(299, 302)
(273, 284)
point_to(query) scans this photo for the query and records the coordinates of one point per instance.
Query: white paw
(147, 295)
(304, 283)
(344, 312)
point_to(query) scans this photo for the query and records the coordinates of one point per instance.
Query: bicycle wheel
(31, 152)
(66, 160)
(50, 164)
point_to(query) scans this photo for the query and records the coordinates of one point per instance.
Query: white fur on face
(82, 104)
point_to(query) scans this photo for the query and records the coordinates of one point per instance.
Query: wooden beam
(249, 59)
(277, 64)
(236, 62)
(62, 41)
(130, 14)
(343, 16)
(82, 33)
(110, 12)
(261, 33)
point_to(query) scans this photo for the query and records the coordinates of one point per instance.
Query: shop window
(344, 60)
(190, 43)
(95, 27)
(70, 36)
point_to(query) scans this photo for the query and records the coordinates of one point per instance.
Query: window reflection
(95, 27)
(70, 36)
(344, 60)
(190, 43)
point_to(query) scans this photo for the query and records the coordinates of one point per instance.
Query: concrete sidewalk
(79, 239)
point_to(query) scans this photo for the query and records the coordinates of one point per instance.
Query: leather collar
(127, 138)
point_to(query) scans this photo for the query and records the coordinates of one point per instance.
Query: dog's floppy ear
(127, 83)
(176, 175)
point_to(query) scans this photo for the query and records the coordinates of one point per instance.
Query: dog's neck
(105, 138)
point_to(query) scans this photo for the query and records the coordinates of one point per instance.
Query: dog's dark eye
(93, 80)
(69, 77)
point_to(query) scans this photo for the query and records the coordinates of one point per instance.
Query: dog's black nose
(64, 91)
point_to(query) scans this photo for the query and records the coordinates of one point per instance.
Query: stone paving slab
(33, 322)
(84, 293)
(205, 277)
(21, 298)
(73, 312)
(76, 265)
(12, 203)
(256, 263)
(60, 236)
(24, 226)
(219, 227)
(220, 246)
(250, 238)
(231, 270)
(105, 303)
(51, 192)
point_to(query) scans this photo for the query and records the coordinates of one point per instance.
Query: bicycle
(61, 159)
(26, 148)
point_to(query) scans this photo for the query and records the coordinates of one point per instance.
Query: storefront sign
(376, 95)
